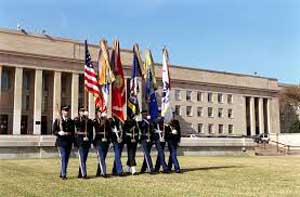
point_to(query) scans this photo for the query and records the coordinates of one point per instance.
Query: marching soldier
(132, 133)
(159, 140)
(146, 141)
(117, 141)
(63, 128)
(101, 141)
(173, 135)
(83, 139)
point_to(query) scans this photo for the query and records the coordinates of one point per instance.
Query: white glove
(174, 131)
(61, 133)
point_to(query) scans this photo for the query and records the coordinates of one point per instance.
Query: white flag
(166, 110)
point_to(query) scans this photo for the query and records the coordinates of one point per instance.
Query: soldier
(117, 141)
(83, 139)
(173, 135)
(160, 145)
(102, 140)
(63, 128)
(147, 139)
(132, 133)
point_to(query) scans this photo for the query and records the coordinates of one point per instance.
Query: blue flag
(151, 96)
(133, 108)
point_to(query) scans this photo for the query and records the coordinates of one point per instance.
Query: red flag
(118, 86)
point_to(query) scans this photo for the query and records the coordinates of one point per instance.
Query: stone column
(74, 95)
(91, 106)
(261, 115)
(252, 116)
(18, 86)
(56, 94)
(37, 112)
(269, 118)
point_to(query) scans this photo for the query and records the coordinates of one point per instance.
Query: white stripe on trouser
(80, 163)
(99, 161)
(146, 158)
(61, 165)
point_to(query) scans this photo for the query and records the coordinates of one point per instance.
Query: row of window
(212, 130)
(210, 96)
(210, 111)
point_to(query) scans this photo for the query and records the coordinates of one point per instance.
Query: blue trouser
(83, 155)
(64, 153)
(117, 168)
(172, 145)
(160, 160)
(147, 163)
(101, 149)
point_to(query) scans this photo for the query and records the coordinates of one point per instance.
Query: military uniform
(132, 133)
(147, 139)
(173, 135)
(117, 141)
(160, 146)
(83, 140)
(63, 128)
(101, 142)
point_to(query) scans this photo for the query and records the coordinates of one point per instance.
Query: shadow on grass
(209, 168)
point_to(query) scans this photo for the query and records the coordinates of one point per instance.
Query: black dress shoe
(178, 171)
(85, 177)
(166, 171)
(64, 178)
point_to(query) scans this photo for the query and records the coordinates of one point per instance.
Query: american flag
(90, 78)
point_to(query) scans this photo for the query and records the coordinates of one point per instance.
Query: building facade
(40, 73)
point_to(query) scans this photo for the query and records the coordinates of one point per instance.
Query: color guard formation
(103, 132)
(107, 85)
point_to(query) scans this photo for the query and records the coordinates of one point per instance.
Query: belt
(81, 133)
(130, 134)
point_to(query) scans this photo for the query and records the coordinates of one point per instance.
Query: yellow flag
(105, 73)
(149, 66)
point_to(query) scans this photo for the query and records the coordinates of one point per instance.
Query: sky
(254, 36)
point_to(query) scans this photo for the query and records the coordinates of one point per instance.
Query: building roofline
(46, 36)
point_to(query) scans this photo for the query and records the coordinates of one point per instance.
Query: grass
(203, 176)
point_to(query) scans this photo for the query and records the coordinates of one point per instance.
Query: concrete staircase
(269, 150)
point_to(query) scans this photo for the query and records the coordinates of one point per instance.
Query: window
(177, 110)
(220, 98)
(5, 82)
(200, 128)
(26, 81)
(177, 95)
(188, 95)
(230, 113)
(45, 81)
(199, 111)
(199, 96)
(210, 128)
(210, 97)
(230, 129)
(229, 99)
(26, 103)
(3, 124)
(189, 111)
(221, 129)
(220, 112)
(210, 112)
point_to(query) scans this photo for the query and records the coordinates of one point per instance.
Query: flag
(118, 86)
(149, 64)
(90, 78)
(106, 75)
(133, 108)
(150, 94)
(166, 110)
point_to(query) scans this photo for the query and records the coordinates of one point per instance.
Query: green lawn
(203, 176)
